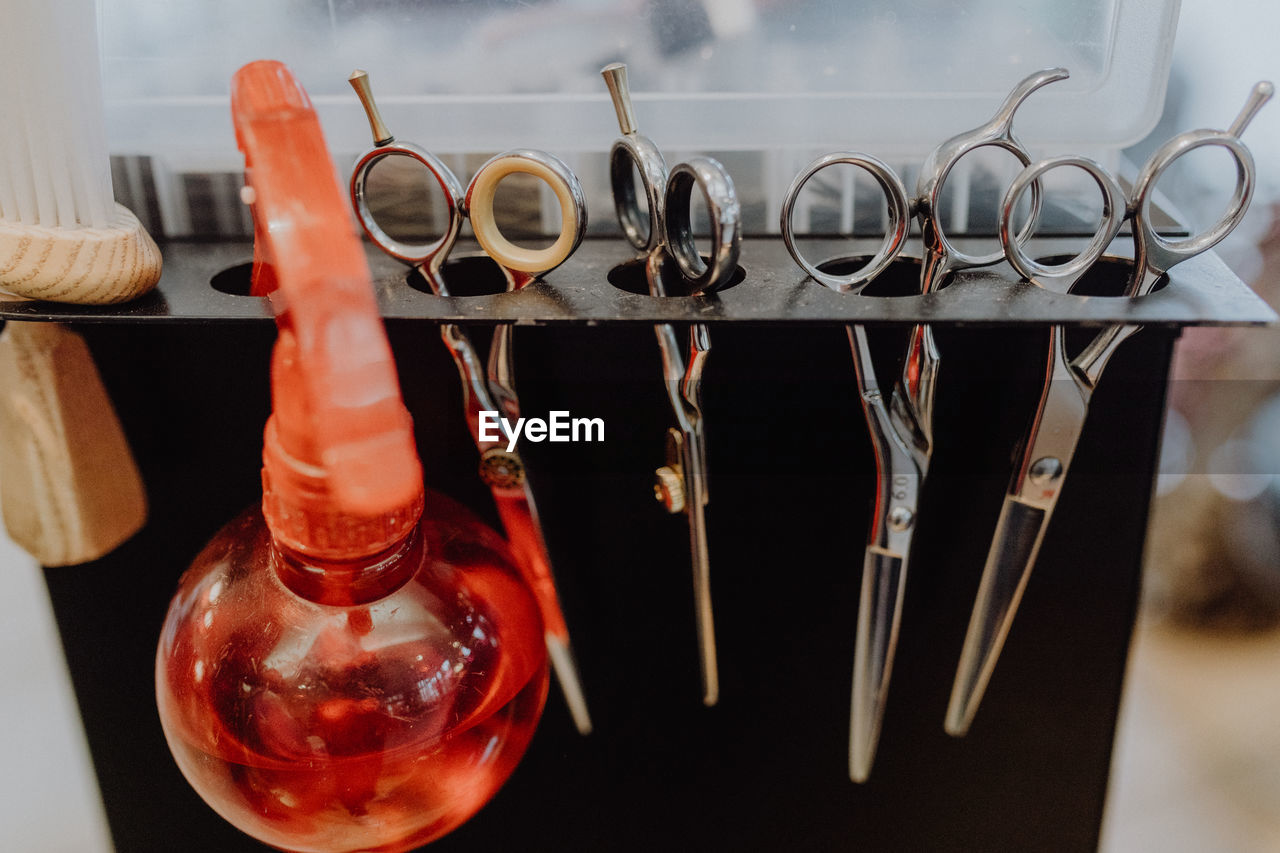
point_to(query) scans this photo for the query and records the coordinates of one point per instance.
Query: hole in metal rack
(900, 278)
(1107, 278)
(632, 278)
(234, 281)
(464, 276)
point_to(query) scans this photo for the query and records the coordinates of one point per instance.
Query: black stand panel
(791, 484)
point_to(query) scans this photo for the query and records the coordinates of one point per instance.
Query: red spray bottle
(356, 665)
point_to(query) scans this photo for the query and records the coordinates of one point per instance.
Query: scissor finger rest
(410, 253)
(573, 210)
(1060, 277)
(1159, 253)
(998, 133)
(634, 152)
(1162, 253)
(895, 195)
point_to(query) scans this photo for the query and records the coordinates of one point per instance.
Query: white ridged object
(62, 236)
(68, 484)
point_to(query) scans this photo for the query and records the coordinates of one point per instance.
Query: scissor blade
(879, 613)
(919, 383)
(565, 666)
(519, 517)
(684, 382)
(701, 560)
(1019, 533)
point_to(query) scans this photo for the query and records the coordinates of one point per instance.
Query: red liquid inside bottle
(380, 725)
(358, 665)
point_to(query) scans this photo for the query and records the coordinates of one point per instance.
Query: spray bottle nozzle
(341, 474)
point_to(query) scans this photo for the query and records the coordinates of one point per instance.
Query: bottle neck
(349, 582)
(301, 511)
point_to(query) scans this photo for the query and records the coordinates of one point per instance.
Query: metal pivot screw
(668, 484)
(500, 469)
(901, 518)
(668, 488)
(1045, 470)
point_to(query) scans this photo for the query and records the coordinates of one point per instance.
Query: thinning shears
(666, 230)
(901, 422)
(1069, 383)
(491, 388)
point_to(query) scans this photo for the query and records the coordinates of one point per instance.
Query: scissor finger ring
(410, 253)
(573, 210)
(1113, 213)
(724, 212)
(643, 229)
(895, 235)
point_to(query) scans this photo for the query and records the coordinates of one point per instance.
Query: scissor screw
(668, 488)
(1045, 470)
(901, 518)
(500, 469)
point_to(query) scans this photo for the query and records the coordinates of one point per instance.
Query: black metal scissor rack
(791, 480)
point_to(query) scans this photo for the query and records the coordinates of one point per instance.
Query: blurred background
(1197, 761)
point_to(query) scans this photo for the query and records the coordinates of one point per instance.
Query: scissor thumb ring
(895, 195)
(410, 253)
(479, 201)
(709, 176)
(1114, 207)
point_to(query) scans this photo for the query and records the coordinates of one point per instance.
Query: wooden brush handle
(92, 266)
(68, 484)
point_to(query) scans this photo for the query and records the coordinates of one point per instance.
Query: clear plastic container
(887, 76)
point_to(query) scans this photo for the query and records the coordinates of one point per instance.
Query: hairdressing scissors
(667, 230)
(901, 423)
(491, 388)
(1050, 442)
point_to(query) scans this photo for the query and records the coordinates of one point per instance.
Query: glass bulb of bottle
(357, 705)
